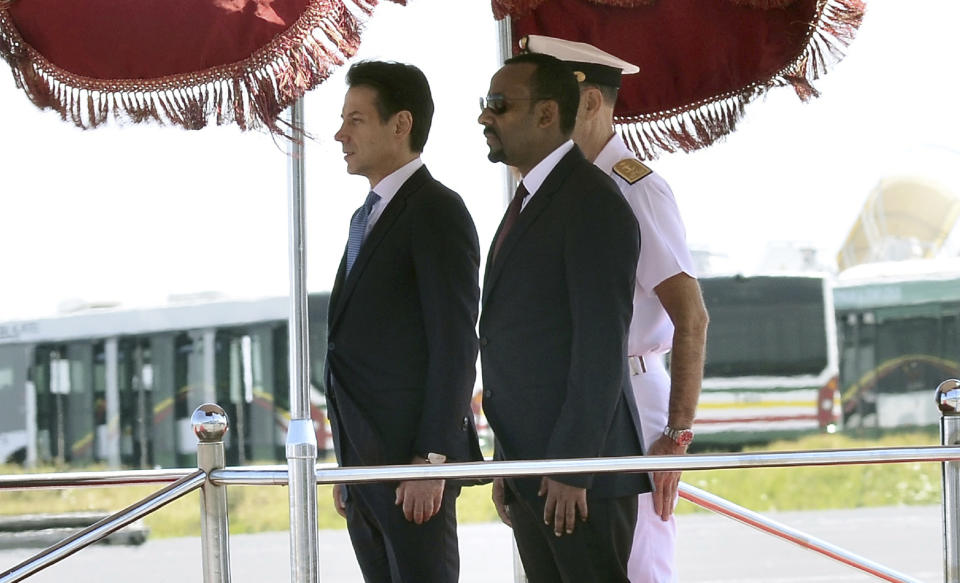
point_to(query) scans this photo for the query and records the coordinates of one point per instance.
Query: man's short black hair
(553, 79)
(399, 87)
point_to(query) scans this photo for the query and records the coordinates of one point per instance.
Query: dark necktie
(358, 228)
(513, 212)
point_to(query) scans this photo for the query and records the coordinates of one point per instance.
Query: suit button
(331, 346)
(487, 394)
(465, 424)
(483, 341)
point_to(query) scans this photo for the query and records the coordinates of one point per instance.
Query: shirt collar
(388, 187)
(534, 179)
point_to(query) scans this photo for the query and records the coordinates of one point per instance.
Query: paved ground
(713, 549)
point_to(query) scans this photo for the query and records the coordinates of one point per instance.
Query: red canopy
(184, 62)
(701, 61)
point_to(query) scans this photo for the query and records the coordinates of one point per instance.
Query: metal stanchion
(948, 401)
(301, 445)
(209, 425)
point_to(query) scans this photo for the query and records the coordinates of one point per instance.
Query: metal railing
(210, 424)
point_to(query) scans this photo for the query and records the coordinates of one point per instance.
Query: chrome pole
(210, 423)
(100, 530)
(948, 401)
(769, 526)
(504, 52)
(301, 445)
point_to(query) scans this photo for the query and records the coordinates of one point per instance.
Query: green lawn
(265, 508)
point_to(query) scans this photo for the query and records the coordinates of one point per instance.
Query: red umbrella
(701, 61)
(182, 62)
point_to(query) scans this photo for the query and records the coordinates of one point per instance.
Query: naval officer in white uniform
(668, 310)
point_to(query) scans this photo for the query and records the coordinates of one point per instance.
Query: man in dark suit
(557, 300)
(402, 343)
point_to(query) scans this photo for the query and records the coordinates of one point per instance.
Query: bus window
(163, 389)
(136, 401)
(950, 338)
(765, 326)
(898, 340)
(188, 372)
(231, 394)
(79, 428)
(263, 419)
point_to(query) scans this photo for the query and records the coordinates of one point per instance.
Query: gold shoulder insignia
(631, 170)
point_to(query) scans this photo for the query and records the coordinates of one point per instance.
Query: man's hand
(420, 499)
(562, 506)
(338, 502)
(498, 501)
(665, 483)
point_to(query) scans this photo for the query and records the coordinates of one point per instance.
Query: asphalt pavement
(712, 549)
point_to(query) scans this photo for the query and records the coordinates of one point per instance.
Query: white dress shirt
(387, 188)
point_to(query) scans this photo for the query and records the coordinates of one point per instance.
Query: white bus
(119, 385)
(771, 362)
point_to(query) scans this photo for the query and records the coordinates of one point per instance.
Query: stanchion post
(301, 444)
(948, 401)
(209, 425)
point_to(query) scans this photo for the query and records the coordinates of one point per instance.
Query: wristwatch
(679, 436)
(435, 458)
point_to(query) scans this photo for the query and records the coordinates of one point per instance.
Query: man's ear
(591, 100)
(402, 123)
(548, 113)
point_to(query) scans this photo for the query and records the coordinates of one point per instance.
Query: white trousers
(652, 558)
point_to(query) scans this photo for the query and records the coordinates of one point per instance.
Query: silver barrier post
(301, 444)
(948, 401)
(209, 425)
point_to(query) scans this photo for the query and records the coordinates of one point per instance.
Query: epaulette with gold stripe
(631, 170)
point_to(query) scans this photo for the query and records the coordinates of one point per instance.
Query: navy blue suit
(401, 369)
(556, 307)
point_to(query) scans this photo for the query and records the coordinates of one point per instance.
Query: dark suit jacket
(402, 348)
(555, 312)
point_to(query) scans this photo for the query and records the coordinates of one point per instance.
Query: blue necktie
(358, 228)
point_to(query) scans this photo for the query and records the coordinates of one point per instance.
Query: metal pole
(769, 526)
(209, 425)
(504, 52)
(948, 401)
(301, 443)
(100, 530)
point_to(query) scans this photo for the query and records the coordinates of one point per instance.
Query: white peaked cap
(575, 52)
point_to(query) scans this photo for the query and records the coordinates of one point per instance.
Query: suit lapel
(540, 201)
(345, 284)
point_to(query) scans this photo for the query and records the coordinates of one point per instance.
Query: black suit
(557, 302)
(401, 368)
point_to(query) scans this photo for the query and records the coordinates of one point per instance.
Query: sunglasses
(497, 103)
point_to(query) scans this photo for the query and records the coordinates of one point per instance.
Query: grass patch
(819, 488)
(266, 508)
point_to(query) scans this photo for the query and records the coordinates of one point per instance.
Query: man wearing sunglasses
(668, 309)
(556, 305)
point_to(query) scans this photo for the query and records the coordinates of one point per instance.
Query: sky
(135, 214)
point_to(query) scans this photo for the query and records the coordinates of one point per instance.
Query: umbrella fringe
(701, 124)
(252, 93)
